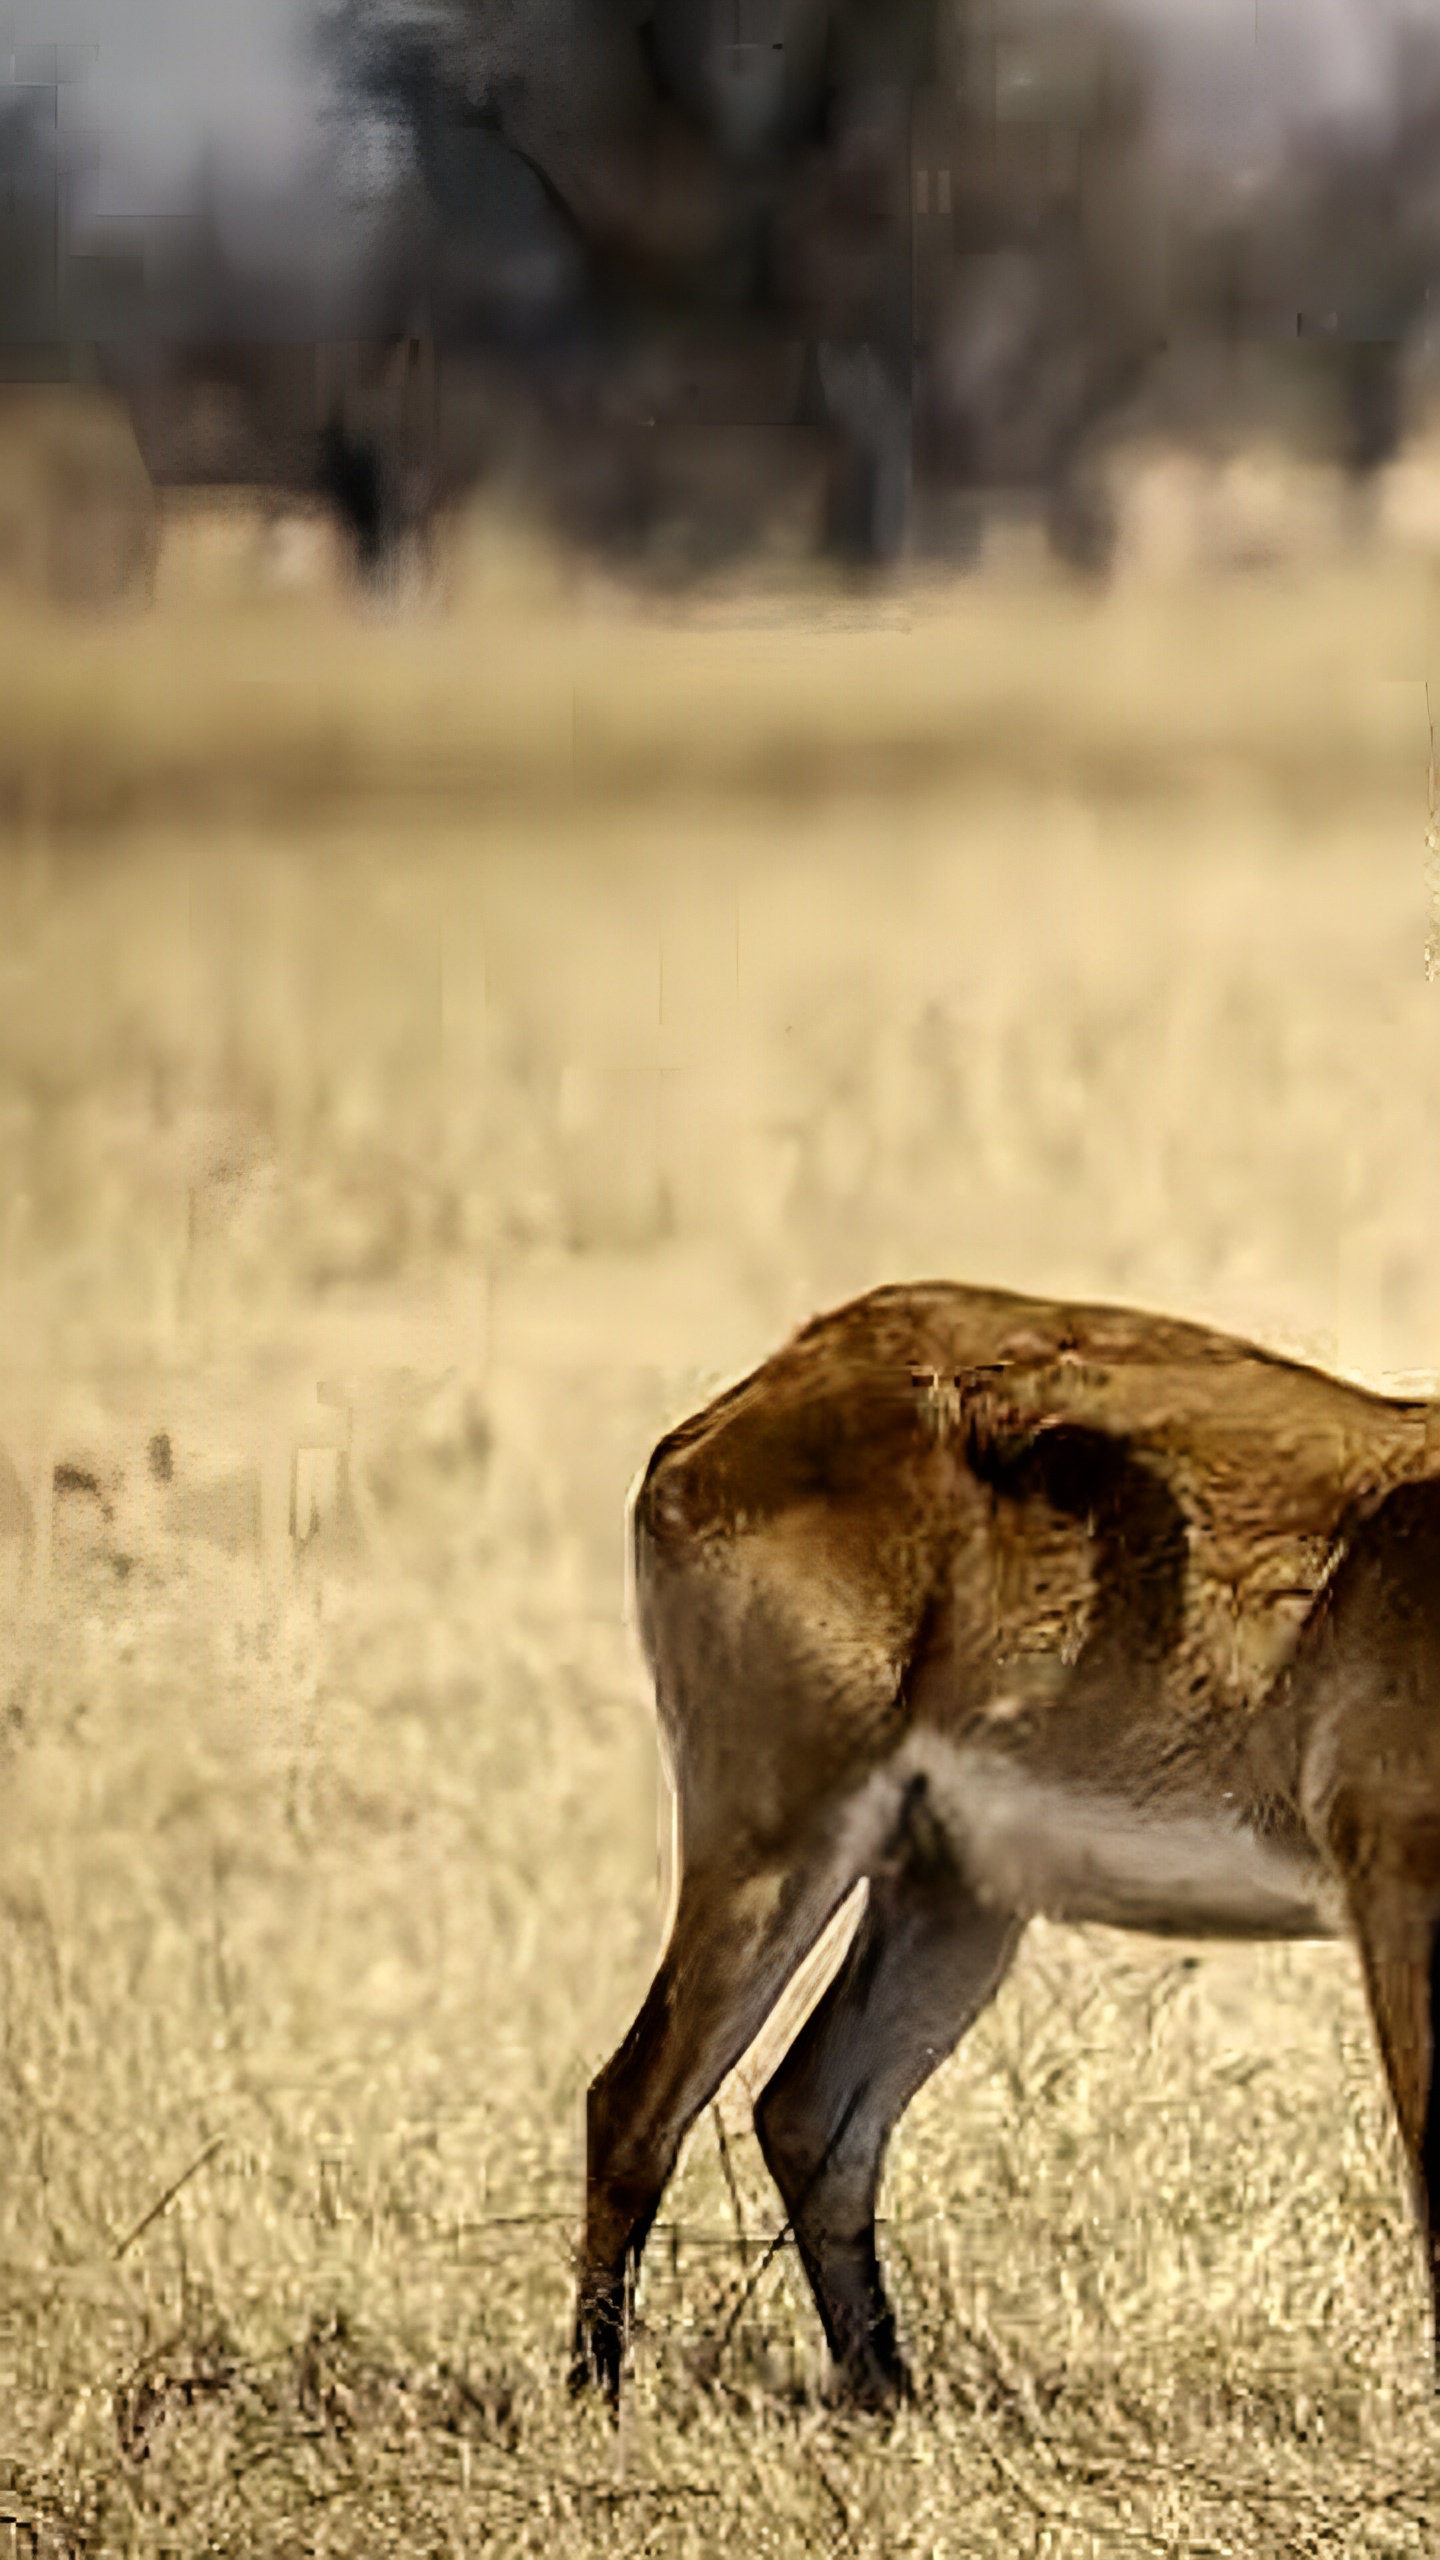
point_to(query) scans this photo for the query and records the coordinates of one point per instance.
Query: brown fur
(1009, 1606)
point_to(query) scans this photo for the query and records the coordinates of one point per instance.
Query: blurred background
(691, 279)
(660, 659)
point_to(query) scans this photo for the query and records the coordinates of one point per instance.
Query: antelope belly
(1055, 1849)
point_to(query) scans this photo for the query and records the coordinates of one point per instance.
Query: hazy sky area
(154, 83)
(153, 80)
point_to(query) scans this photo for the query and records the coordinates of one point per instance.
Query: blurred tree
(29, 222)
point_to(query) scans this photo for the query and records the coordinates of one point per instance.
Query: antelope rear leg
(1398, 1927)
(735, 1943)
(924, 1962)
(1368, 1697)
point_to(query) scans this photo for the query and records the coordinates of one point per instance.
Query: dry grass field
(434, 1051)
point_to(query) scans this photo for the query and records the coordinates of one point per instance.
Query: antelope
(1011, 1608)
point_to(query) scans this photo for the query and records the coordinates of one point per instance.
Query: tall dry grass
(326, 1881)
(250, 692)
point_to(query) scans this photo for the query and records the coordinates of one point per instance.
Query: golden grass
(532, 684)
(322, 1896)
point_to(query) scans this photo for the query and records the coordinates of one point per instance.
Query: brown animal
(1012, 1608)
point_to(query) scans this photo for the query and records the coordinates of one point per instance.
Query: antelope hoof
(596, 2356)
(872, 2387)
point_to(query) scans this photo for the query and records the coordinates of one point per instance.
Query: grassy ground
(537, 686)
(519, 1117)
